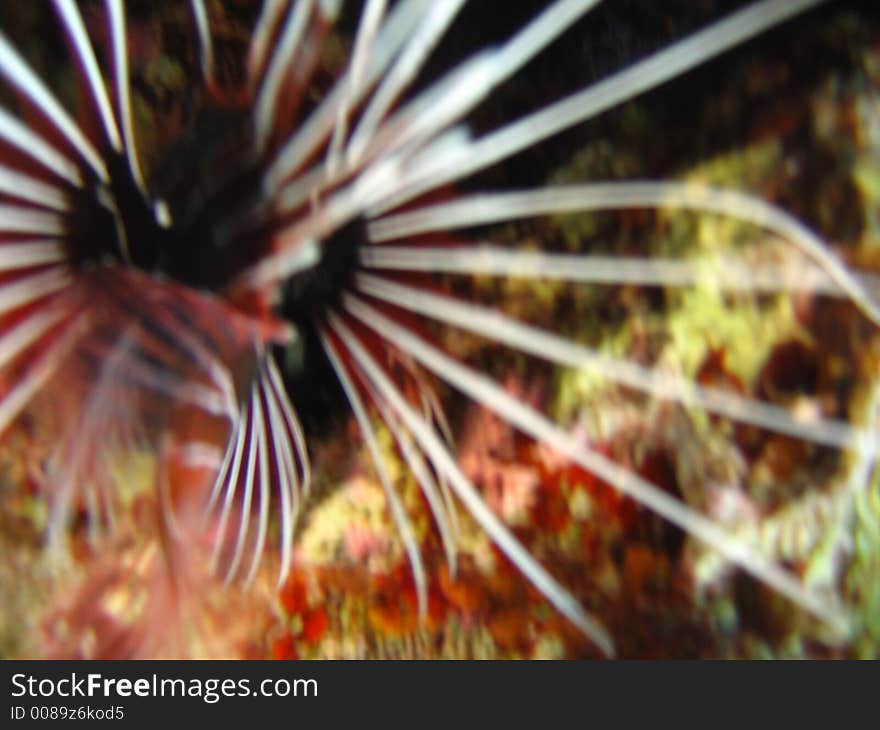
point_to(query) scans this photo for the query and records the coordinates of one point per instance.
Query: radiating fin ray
(492, 208)
(365, 38)
(25, 187)
(19, 74)
(293, 424)
(19, 338)
(206, 44)
(18, 219)
(31, 288)
(76, 32)
(726, 273)
(263, 483)
(487, 393)
(404, 526)
(291, 37)
(453, 96)
(287, 478)
(250, 466)
(635, 79)
(26, 254)
(119, 45)
(227, 476)
(411, 60)
(397, 179)
(261, 37)
(490, 323)
(243, 434)
(39, 373)
(185, 338)
(496, 530)
(154, 377)
(103, 423)
(316, 128)
(17, 135)
(414, 459)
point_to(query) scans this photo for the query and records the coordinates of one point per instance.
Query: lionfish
(158, 305)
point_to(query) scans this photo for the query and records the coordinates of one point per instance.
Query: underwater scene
(439, 329)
